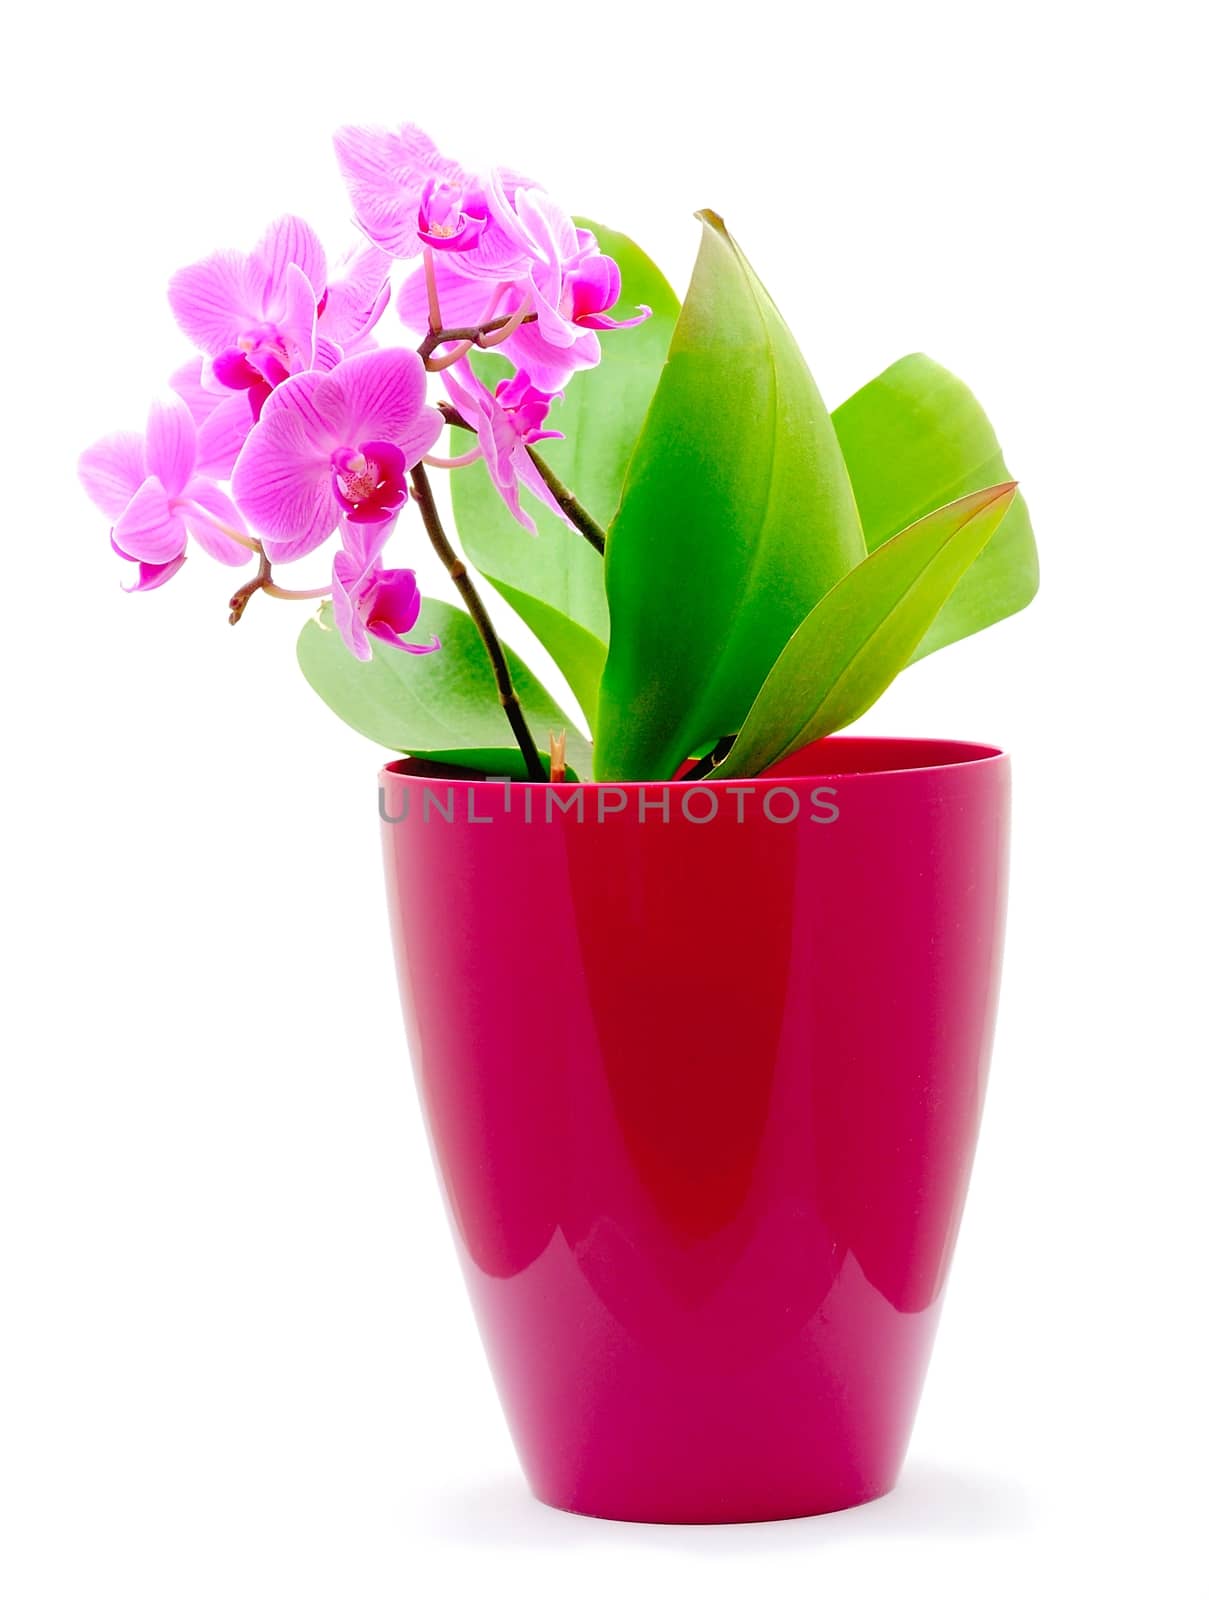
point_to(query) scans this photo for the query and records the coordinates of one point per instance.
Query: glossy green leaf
(444, 705)
(555, 582)
(862, 633)
(914, 439)
(736, 517)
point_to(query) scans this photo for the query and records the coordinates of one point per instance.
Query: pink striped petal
(282, 484)
(327, 355)
(378, 395)
(297, 395)
(150, 529)
(215, 300)
(221, 436)
(206, 495)
(171, 443)
(548, 225)
(357, 297)
(363, 542)
(201, 398)
(289, 241)
(298, 317)
(112, 471)
(550, 365)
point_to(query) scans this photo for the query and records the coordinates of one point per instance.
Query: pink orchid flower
(569, 284)
(333, 448)
(255, 315)
(261, 317)
(406, 195)
(156, 497)
(565, 282)
(350, 306)
(507, 422)
(370, 600)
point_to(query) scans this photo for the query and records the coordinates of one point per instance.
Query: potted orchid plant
(700, 999)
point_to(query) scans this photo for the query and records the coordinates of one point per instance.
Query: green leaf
(556, 581)
(859, 637)
(914, 439)
(444, 705)
(736, 517)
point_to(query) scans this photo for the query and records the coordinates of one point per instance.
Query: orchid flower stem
(574, 512)
(239, 600)
(454, 461)
(430, 283)
(470, 337)
(264, 581)
(456, 568)
(490, 340)
(223, 527)
(297, 594)
(450, 358)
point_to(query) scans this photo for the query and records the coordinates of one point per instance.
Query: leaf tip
(983, 499)
(711, 219)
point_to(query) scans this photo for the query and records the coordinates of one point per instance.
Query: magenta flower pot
(702, 1067)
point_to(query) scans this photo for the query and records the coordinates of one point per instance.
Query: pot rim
(804, 766)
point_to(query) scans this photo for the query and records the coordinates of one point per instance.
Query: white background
(237, 1357)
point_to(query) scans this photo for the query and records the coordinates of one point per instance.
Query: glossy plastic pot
(702, 1067)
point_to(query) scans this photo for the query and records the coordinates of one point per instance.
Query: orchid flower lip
(370, 482)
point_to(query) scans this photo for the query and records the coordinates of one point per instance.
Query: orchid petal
(603, 323)
(327, 355)
(289, 241)
(506, 217)
(348, 574)
(297, 395)
(282, 484)
(380, 632)
(380, 395)
(548, 225)
(151, 575)
(220, 437)
(532, 479)
(171, 443)
(549, 366)
(213, 541)
(396, 602)
(363, 542)
(112, 471)
(150, 529)
(299, 316)
(357, 297)
(190, 383)
(213, 300)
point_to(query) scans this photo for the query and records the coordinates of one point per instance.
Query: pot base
(718, 1517)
